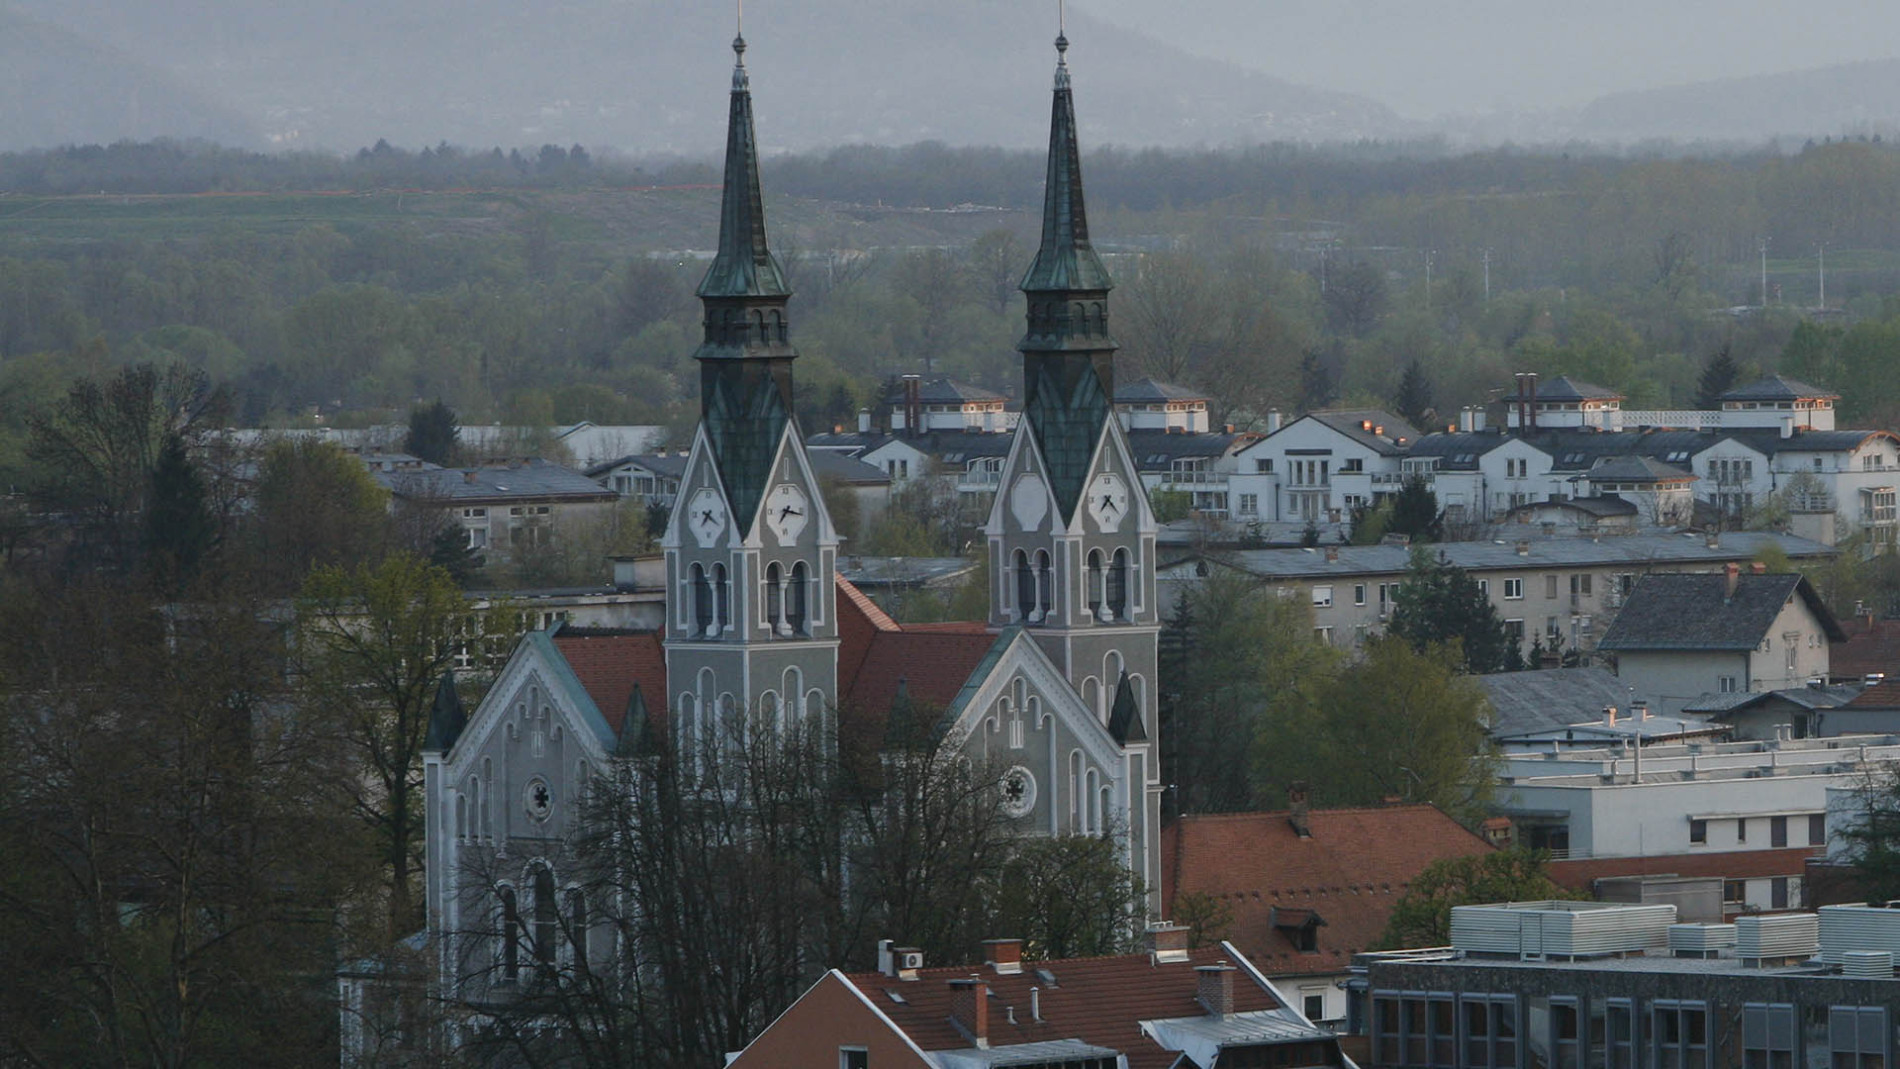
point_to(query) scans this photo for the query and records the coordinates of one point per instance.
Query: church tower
(750, 549)
(1071, 535)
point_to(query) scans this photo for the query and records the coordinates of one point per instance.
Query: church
(1057, 686)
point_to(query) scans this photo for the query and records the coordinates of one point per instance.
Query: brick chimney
(1216, 988)
(1167, 943)
(970, 1009)
(1298, 813)
(1734, 573)
(1004, 955)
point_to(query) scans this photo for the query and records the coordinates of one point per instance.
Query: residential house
(1171, 1008)
(1323, 465)
(655, 481)
(1542, 702)
(1682, 636)
(1750, 813)
(1793, 713)
(1660, 492)
(1308, 888)
(1557, 589)
(506, 511)
(1562, 402)
(1578, 515)
(1572, 984)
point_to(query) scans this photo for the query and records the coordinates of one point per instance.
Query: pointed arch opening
(702, 602)
(775, 600)
(1045, 586)
(1117, 591)
(722, 600)
(1025, 586)
(796, 616)
(1095, 584)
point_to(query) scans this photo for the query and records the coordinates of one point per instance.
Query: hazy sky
(1424, 58)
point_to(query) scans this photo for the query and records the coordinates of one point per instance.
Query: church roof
(1066, 261)
(744, 266)
(610, 663)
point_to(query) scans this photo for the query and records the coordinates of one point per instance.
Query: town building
(1622, 986)
(1307, 889)
(1545, 589)
(1171, 1008)
(1750, 813)
(1321, 466)
(653, 480)
(1680, 637)
(507, 512)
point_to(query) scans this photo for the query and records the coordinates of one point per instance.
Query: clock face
(1108, 501)
(787, 510)
(706, 516)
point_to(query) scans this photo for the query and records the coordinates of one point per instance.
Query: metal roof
(536, 480)
(1565, 388)
(1779, 388)
(1353, 423)
(1148, 390)
(1697, 611)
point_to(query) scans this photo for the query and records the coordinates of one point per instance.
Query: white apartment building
(1321, 466)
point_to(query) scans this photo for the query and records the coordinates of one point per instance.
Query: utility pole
(1429, 253)
(1824, 276)
(1763, 246)
(1487, 276)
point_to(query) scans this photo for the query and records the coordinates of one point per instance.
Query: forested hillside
(554, 284)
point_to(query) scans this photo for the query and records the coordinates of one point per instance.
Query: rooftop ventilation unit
(1845, 929)
(1776, 937)
(1701, 940)
(1560, 929)
(1867, 964)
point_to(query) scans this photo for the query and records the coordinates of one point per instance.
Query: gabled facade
(1324, 464)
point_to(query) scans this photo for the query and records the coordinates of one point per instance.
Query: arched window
(768, 717)
(577, 922)
(487, 789)
(702, 602)
(1118, 586)
(1103, 811)
(775, 600)
(1075, 791)
(1045, 585)
(461, 816)
(1025, 587)
(508, 938)
(547, 919)
(1095, 584)
(794, 690)
(687, 734)
(758, 326)
(1092, 802)
(722, 599)
(1092, 694)
(795, 614)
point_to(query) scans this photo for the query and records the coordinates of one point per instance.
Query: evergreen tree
(450, 551)
(1415, 511)
(1718, 377)
(1439, 604)
(434, 435)
(1414, 399)
(179, 529)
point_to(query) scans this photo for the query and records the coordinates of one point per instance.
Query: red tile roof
(1882, 695)
(1350, 873)
(1096, 1000)
(608, 663)
(1873, 645)
(933, 665)
(1729, 865)
(859, 619)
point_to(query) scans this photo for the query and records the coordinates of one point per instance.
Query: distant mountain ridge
(1851, 98)
(649, 75)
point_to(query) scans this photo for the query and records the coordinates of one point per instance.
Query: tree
(433, 434)
(1439, 604)
(1355, 297)
(1414, 397)
(1871, 833)
(1408, 724)
(1422, 916)
(375, 641)
(179, 527)
(1717, 378)
(1415, 511)
(1237, 664)
(995, 264)
(1070, 897)
(316, 506)
(177, 842)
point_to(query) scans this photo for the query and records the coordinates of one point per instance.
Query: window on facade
(1768, 1036)
(1725, 684)
(774, 596)
(1734, 892)
(1045, 581)
(1857, 1037)
(1817, 829)
(1385, 1029)
(1514, 631)
(702, 601)
(1025, 587)
(797, 592)
(577, 921)
(1550, 586)
(854, 1058)
(1698, 831)
(1741, 829)
(508, 955)
(1096, 578)
(1777, 831)
(722, 596)
(1489, 1031)
(1118, 584)
(1679, 1034)
(1566, 1038)
(1778, 893)
(1323, 597)
(1359, 594)
(1250, 504)
(547, 918)
(477, 537)
(1513, 589)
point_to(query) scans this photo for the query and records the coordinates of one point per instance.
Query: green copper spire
(1068, 355)
(745, 367)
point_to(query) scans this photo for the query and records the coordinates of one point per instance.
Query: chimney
(913, 405)
(1639, 709)
(1477, 420)
(864, 421)
(970, 1009)
(1609, 715)
(1273, 421)
(1713, 539)
(1757, 568)
(1167, 943)
(1004, 955)
(1734, 573)
(1298, 811)
(886, 961)
(1523, 549)
(1216, 988)
(1464, 419)
(469, 477)
(1035, 1003)
(1332, 554)
(1787, 426)
(1533, 403)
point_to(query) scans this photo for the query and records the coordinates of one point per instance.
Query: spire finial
(1062, 45)
(740, 82)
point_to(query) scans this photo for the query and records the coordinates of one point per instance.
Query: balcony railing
(1196, 478)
